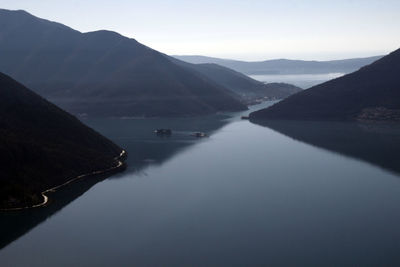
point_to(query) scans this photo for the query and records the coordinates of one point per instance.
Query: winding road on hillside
(119, 163)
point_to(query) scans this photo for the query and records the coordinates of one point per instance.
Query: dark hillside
(370, 94)
(42, 146)
(102, 73)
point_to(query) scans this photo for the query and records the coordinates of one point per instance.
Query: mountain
(103, 73)
(372, 93)
(285, 66)
(248, 89)
(42, 146)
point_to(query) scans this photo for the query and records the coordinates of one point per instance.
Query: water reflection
(144, 148)
(375, 143)
(15, 224)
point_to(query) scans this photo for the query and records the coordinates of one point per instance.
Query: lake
(280, 193)
(301, 80)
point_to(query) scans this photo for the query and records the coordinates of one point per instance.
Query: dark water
(279, 194)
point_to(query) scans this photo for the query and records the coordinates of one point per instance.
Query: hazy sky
(251, 30)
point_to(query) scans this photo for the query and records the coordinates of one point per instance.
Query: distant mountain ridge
(42, 146)
(284, 66)
(369, 94)
(103, 73)
(248, 89)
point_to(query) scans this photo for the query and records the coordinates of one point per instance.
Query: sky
(246, 30)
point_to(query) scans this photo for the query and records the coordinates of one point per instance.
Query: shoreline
(119, 163)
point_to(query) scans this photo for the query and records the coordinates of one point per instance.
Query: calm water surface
(250, 194)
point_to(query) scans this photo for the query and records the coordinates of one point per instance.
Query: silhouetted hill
(372, 93)
(285, 66)
(42, 146)
(103, 73)
(249, 89)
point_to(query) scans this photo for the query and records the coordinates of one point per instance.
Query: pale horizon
(303, 30)
(305, 58)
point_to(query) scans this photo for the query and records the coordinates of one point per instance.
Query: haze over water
(301, 80)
